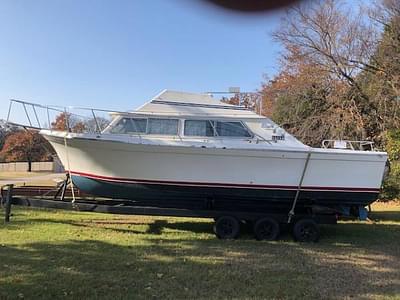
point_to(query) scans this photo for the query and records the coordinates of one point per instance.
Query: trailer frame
(122, 207)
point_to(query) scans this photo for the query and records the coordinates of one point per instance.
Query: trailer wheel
(266, 229)
(227, 227)
(306, 230)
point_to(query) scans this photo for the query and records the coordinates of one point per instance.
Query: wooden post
(8, 203)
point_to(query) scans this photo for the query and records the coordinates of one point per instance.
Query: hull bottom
(221, 198)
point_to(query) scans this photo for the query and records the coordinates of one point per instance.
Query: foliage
(5, 130)
(91, 124)
(383, 87)
(304, 100)
(25, 146)
(71, 122)
(338, 78)
(393, 144)
(330, 35)
(391, 184)
(67, 122)
(249, 100)
(3, 135)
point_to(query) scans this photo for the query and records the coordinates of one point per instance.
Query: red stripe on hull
(225, 185)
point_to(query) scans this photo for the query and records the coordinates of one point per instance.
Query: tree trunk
(29, 165)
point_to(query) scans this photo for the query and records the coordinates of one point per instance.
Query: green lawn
(58, 254)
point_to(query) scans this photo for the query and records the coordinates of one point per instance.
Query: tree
(25, 146)
(391, 186)
(3, 133)
(340, 76)
(5, 130)
(249, 100)
(91, 124)
(326, 33)
(65, 122)
(383, 87)
(303, 98)
(74, 124)
(338, 42)
(345, 57)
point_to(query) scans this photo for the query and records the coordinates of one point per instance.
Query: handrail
(349, 144)
(93, 122)
(34, 121)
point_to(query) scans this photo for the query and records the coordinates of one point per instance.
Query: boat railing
(348, 144)
(58, 118)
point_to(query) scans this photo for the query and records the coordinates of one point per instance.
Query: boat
(192, 151)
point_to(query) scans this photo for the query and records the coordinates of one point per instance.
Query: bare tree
(386, 14)
(356, 47)
(330, 35)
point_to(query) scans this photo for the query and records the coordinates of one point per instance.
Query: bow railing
(347, 144)
(59, 118)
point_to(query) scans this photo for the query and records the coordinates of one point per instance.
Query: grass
(51, 254)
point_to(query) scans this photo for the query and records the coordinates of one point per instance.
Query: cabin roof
(176, 103)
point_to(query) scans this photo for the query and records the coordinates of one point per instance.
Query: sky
(119, 54)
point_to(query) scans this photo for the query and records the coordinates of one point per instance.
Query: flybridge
(189, 104)
(199, 105)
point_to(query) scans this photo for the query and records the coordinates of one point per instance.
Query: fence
(48, 166)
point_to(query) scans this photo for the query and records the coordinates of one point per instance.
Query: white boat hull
(216, 176)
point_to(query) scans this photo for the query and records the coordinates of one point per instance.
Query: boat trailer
(265, 226)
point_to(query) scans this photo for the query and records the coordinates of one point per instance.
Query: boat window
(129, 125)
(163, 126)
(198, 128)
(231, 129)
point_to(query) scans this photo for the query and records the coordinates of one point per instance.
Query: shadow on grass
(155, 227)
(193, 269)
(352, 260)
(357, 234)
(385, 216)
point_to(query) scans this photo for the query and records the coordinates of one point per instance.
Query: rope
(291, 212)
(69, 167)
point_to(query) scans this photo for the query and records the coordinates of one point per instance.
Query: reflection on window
(163, 126)
(128, 125)
(198, 128)
(206, 128)
(231, 129)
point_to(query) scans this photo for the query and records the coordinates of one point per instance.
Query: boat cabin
(182, 115)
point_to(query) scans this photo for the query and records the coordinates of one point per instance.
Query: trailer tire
(266, 229)
(227, 227)
(306, 230)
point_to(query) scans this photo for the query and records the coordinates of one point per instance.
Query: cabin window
(215, 128)
(129, 125)
(198, 128)
(234, 129)
(163, 126)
